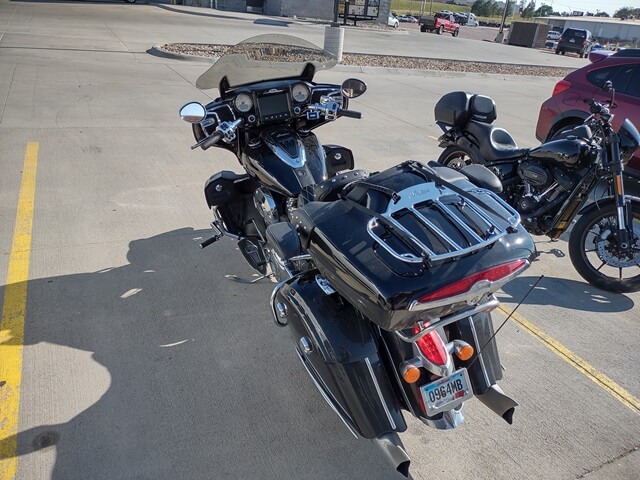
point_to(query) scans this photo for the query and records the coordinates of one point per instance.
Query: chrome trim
(327, 397)
(496, 223)
(295, 161)
(382, 400)
(449, 419)
(305, 345)
(274, 311)
(220, 225)
(304, 256)
(324, 285)
(264, 202)
(487, 306)
(472, 296)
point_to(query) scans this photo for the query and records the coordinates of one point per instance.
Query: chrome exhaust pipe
(394, 452)
(499, 402)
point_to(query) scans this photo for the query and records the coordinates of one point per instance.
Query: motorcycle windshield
(265, 57)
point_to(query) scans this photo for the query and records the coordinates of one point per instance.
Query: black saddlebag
(409, 231)
(339, 350)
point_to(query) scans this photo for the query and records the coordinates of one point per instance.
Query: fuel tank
(285, 160)
(571, 153)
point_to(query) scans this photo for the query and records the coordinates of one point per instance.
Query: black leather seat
(328, 190)
(496, 144)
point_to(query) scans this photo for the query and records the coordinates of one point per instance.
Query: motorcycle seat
(496, 144)
(329, 189)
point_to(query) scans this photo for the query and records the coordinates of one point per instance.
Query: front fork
(624, 213)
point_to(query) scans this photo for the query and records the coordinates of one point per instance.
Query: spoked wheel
(597, 256)
(456, 157)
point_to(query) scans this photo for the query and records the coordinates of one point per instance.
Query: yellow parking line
(13, 316)
(578, 363)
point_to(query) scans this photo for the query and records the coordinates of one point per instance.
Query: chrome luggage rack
(481, 222)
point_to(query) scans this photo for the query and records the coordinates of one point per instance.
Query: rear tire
(440, 30)
(592, 249)
(456, 32)
(423, 28)
(456, 157)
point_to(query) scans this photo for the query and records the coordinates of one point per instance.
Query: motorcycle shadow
(561, 292)
(163, 369)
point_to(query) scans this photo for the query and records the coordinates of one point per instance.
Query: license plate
(446, 392)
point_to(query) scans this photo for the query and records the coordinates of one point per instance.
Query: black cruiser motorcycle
(549, 185)
(386, 280)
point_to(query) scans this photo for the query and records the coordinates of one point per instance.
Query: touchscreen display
(273, 104)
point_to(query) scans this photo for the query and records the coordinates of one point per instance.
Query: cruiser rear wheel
(456, 157)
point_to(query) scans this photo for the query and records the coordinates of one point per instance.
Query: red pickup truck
(440, 23)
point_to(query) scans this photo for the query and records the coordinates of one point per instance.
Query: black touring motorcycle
(386, 280)
(550, 185)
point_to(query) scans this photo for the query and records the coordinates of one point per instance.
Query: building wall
(603, 31)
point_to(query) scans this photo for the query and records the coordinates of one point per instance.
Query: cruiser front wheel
(597, 255)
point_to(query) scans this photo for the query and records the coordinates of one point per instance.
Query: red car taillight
(560, 87)
(560, 39)
(492, 274)
(431, 346)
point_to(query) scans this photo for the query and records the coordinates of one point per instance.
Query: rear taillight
(560, 39)
(431, 346)
(584, 42)
(492, 274)
(560, 87)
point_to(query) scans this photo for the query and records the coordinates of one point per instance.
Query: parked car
(393, 21)
(439, 23)
(554, 35)
(552, 44)
(575, 40)
(408, 19)
(565, 109)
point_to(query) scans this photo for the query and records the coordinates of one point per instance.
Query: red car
(566, 109)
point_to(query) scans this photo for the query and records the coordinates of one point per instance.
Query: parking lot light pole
(500, 36)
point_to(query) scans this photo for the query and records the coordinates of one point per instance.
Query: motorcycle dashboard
(273, 104)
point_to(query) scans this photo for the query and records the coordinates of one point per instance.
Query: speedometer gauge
(243, 102)
(300, 92)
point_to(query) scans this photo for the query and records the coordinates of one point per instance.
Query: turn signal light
(464, 352)
(410, 373)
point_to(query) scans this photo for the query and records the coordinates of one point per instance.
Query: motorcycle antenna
(506, 319)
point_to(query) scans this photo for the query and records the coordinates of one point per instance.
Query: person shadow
(161, 368)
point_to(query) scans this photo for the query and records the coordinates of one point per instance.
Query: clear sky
(608, 6)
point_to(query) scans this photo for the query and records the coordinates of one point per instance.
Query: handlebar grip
(214, 138)
(349, 113)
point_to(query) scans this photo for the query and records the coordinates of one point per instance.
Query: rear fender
(339, 349)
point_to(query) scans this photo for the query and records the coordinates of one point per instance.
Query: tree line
(490, 8)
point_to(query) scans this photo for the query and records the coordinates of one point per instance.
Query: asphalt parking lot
(128, 355)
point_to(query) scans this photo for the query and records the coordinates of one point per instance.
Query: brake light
(432, 346)
(492, 274)
(584, 42)
(560, 39)
(560, 87)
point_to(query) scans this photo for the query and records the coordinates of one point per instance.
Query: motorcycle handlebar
(349, 113)
(211, 140)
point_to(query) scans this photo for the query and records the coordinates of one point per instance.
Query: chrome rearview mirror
(193, 112)
(352, 87)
